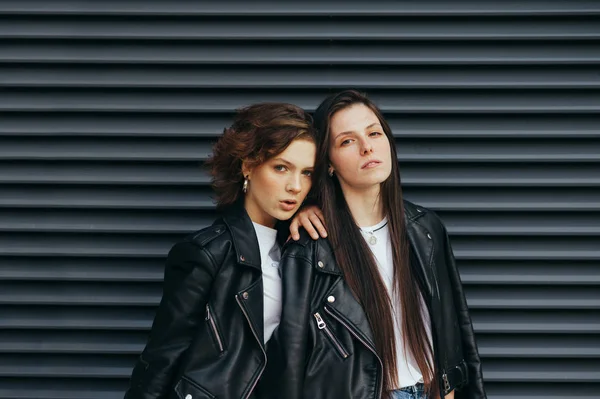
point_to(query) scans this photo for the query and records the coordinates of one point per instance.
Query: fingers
(318, 224)
(294, 229)
(307, 222)
(313, 221)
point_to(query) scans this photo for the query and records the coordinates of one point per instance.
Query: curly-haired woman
(222, 288)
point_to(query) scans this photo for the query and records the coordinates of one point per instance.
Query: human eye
(308, 173)
(345, 142)
(280, 168)
(374, 134)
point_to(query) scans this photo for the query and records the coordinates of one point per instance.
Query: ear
(246, 171)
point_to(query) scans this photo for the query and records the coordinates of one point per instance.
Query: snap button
(321, 264)
(429, 236)
(242, 258)
(188, 396)
(331, 299)
(418, 210)
(245, 295)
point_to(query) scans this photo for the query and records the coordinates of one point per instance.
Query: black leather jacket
(323, 348)
(207, 335)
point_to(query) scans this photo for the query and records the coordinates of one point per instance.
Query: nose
(294, 185)
(366, 147)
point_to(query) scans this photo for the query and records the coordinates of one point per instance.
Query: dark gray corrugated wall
(108, 108)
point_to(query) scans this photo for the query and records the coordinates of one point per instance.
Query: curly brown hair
(258, 133)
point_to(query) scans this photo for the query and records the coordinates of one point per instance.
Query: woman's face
(359, 150)
(277, 187)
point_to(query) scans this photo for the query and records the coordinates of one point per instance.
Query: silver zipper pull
(320, 323)
(207, 313)
(446, 383)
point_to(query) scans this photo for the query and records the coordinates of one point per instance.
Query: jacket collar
(243, 235)
(325, 258)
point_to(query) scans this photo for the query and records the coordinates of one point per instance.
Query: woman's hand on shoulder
(311, 218)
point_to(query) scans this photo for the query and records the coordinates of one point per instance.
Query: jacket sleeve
(474, 388)
(189, 274)
(289, 346)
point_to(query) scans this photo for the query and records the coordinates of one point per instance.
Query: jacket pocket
(187, 389)
(212, 326)
(321, 325)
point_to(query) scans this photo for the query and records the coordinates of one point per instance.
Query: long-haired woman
(222, 288)
(377, 309)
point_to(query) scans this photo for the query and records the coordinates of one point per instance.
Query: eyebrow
(279, 159)
(352, 131)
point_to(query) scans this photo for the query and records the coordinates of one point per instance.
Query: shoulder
(317, 254)
(424, 217)
(203, 245)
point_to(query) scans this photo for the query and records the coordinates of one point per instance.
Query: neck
(364, 204)
(257, 215)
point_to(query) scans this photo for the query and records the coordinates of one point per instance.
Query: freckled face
(277, 187)
(359, 150)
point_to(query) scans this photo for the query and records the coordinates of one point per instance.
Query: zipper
(364, 342)
(237, 298)
(213, 326)
(322, 326)
(446, 383)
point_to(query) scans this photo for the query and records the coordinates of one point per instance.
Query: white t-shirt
(408, 371)
(270, 255)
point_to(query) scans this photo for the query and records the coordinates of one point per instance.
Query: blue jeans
(413, 392)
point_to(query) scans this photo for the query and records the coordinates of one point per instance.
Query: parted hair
(357, 261)
(258, 133)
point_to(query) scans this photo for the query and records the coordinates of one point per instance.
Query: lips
(371, 164)
(288, 205)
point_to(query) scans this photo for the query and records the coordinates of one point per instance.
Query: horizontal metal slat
(65, 366)
(475, 101)
(80, 294)
(441, 199)
(424, 127)
(515, 224)
(567, 272)
(107, 197)
(82, 269)
(88, 245)
(542, 370)
(76, 318)
(535, 321)
(109, 125)
(409, 150)
(532, 297)
(539, 390)
(61, 388)
(113, 221)
(296, 77)
(526, 346)
(103, 173)
(174, 221)
(324, 28)
(72, 342)
(192, 174)
(474, 247)
(537, 199)
(308, 7)
(299, 53)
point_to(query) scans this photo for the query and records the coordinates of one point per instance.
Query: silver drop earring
(245, 186)
(330, 172)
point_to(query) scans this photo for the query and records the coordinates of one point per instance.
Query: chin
(283, 215)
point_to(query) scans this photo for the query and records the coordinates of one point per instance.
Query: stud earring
(245, 186)
(330, 172)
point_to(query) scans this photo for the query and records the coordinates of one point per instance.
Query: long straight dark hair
(357, 261)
